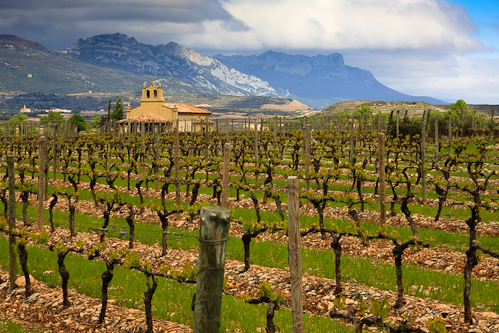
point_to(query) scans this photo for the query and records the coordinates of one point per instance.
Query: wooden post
(492, 125)
(12, 222)
(382, 184)
(54, 152)
(398, 119)
(156, 154)
(307, 156)
(213, 236)
(129, 130)
(294, 254)
(206, 137)
(41, 181)
(449, 131)
(226, 175)
(437, 149)
(143, 137)
(256, 155)
(177, 167)
(275, 132)
(423, 156)
(351, 152)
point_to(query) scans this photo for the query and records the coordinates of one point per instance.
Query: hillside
(413, 108)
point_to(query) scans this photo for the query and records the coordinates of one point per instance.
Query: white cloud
(340, 25)
(472, 78)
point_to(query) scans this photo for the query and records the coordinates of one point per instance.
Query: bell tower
(152, 93)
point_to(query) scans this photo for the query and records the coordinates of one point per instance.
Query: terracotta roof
(146, 118)
(186, 108)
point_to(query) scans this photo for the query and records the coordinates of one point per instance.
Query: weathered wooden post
(226, 175)
(423, 156)
(449, 131)
(178, 200)
(437, 148)
(213, 236)
(256, 155)
(352, 144)
(294, 254)
(54, 152)
(307, 156)
(129, 131)
(41, 181)
(398, 120)
(275, 132)
(12, 222)
(382, 184)
(206, 142)
(156, 154)
(492, 125)
(143, 136)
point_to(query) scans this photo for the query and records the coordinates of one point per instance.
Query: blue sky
(448, 49)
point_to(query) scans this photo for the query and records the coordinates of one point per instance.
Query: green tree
(52, 117)
(79, 121)
(17, 120)
(95, 122)
(116, 112)
(364, 111)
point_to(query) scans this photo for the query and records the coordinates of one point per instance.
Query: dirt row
(44, 308)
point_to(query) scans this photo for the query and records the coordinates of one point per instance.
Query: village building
(25, 109)
(153, 110)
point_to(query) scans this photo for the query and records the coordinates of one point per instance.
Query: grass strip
(7, 325)
(172, 301)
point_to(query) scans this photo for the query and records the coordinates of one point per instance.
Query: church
(153, 109)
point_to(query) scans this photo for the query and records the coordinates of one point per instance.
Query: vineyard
(398, 231)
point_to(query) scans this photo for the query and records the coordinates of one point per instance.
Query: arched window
(148, 94)
(155, 94)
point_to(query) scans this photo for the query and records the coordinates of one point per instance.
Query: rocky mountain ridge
(323, 78)
(118, 51)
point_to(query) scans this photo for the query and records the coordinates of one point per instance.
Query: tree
(364, 111)
(79, 121)
(116, 112)
(460, 114)
(17, 120)
(51, 117)
(95, 122)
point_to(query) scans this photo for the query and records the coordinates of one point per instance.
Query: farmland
(132, 201)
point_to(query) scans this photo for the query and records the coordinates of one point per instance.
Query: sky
(447, 49)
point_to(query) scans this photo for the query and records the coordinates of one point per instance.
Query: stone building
(152, 108)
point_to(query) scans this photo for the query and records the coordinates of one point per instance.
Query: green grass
(7, 325)
(171, 300)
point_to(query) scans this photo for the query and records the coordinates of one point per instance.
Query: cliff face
(323, 78)
(118, 51)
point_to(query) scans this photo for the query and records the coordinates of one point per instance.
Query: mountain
(319, 80)
(117, 51)
(114, 63)
(29, 67)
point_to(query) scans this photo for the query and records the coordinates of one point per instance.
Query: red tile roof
(186, 108)
(146, 118)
